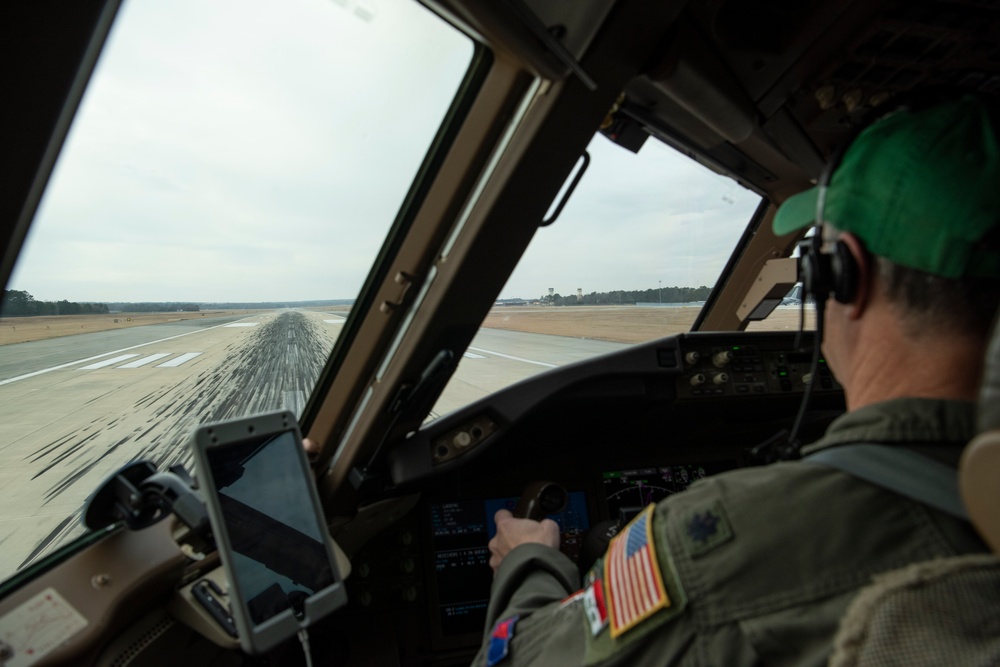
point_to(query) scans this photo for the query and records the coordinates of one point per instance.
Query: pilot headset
(822, 274)
(835, 272)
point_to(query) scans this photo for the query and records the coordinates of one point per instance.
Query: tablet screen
(278, 554)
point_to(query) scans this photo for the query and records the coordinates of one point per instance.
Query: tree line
(631, 297)
(19, 303)
(249, 305)
(154, 307)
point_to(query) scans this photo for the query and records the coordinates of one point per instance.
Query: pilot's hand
(312, 449)
(513, 532)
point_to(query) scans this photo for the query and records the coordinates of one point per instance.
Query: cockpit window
(631, 258)
(229, 178)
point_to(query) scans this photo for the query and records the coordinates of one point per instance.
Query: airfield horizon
(621, 324)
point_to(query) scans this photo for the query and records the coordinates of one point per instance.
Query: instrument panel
(618, 433)
(703, 370)
(748, 369)
(443, 575)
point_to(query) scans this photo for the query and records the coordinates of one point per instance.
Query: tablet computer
(268, 526)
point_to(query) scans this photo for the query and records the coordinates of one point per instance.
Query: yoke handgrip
(541, 499)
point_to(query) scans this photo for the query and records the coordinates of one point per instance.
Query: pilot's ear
(855, 272)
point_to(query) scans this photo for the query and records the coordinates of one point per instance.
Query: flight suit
(756, 566)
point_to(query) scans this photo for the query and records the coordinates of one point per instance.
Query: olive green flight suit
(758, 564)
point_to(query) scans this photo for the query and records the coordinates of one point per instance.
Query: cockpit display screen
(460, 532)
(628, 491)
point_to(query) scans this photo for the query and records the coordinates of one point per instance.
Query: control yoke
(541, 499)
(139, 496)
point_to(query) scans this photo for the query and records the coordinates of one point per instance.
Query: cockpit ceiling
(781, 99)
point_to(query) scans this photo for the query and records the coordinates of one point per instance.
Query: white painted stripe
(103, 354)
(507, 356)
(647, 585)
(470, 355)
(108, 362)
(616, 583)
(242, 324)
(146, 360)
(334, 321)
(177, 361)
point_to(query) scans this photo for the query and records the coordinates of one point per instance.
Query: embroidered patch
(705, 528)
(594, 573)
(632, 578)
(503, 632)
(594, 607)
(602, 647)
(573, 598)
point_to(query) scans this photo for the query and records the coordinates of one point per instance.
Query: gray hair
(935, 304)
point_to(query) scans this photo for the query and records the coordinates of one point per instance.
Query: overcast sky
(637, 220)
(256, 151)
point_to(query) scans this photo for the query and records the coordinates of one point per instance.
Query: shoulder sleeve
(530, 577)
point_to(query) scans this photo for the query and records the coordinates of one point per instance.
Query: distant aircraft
(793, 298)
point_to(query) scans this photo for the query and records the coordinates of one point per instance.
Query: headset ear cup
(845, 273)
(814, 271)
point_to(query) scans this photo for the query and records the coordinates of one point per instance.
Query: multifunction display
(460, 532)
(628, 491)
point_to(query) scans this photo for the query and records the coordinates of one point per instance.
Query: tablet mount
(139, 496)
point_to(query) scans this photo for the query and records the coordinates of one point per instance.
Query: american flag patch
(635, 588)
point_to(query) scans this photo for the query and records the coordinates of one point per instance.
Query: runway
(497, 359)
(78, 408)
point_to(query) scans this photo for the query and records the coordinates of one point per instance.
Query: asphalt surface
(21, 358)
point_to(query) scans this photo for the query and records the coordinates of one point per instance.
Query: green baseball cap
(920, 188)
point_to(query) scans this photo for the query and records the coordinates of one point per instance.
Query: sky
(636, 221)
(248, 150)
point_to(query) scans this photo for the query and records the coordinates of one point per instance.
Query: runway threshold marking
(178, 360)
(139, 363)
(507, 356)
(102, 355)
(108, 362)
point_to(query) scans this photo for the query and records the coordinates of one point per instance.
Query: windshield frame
(444, 135)
(719, 289)
(543, 149)
(69, 65)
(479, 67)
